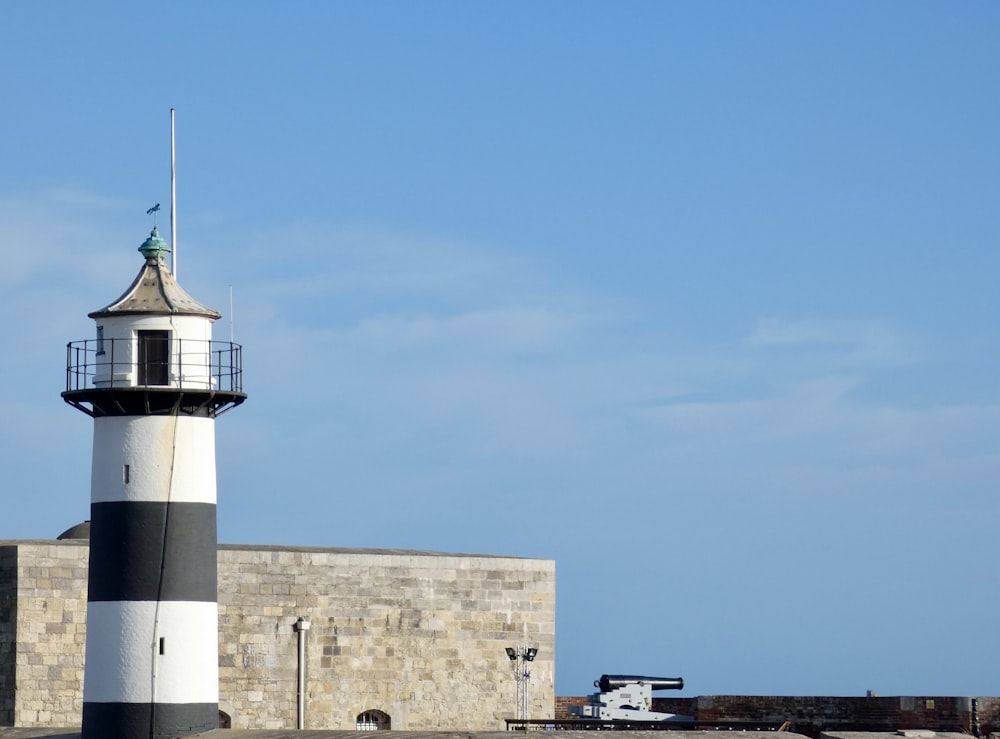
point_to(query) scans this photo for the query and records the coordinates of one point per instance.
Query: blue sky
(697, 299)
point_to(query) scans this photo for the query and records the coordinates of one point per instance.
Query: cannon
(628, 698)
(607, 683)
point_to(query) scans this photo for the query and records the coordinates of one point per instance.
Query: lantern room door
(154, 358)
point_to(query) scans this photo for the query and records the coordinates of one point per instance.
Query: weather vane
(153, 211)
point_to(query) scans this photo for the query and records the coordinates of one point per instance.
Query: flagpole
(173, 199)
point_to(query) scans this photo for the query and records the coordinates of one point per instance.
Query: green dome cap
(154, 247)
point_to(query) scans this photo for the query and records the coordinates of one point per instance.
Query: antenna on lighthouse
(173, 199)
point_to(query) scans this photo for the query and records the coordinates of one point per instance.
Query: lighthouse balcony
(126, 376)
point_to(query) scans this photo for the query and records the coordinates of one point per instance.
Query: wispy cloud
(849, 342)
(514, 330)
(56, 237)
(319, 258)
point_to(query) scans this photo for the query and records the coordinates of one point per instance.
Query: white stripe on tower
(153, 646)
(145, 444)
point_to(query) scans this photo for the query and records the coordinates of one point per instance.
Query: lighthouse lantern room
(153, 380)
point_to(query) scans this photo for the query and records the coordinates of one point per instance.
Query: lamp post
(519, 658)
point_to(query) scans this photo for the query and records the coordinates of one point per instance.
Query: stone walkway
(330, 734)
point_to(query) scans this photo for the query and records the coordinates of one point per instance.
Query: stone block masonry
(417, 636)
(43, 613)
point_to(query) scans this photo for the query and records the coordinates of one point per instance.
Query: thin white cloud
(56, 237)
(853, 342)
(76, 198)
(312, 258)
(522, 328)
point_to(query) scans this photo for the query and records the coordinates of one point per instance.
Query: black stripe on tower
(147, 721)
(141, 551)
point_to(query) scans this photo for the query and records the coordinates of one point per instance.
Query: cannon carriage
(628, 698)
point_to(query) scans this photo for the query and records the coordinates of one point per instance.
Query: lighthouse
(154, 381)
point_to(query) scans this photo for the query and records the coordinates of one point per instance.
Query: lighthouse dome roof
(155, 290)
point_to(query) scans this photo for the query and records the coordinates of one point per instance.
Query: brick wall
(562, 704)
(812, 715)
(987, 715)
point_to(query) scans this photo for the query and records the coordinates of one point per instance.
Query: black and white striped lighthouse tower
(154, 381)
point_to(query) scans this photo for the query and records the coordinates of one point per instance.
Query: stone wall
(8, 632)
(418, 636)
(50, 627)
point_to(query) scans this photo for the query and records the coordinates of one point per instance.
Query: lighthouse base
(147, 720)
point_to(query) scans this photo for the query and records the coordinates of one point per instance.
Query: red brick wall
(810, 715)
(564, 702)
(813, 714)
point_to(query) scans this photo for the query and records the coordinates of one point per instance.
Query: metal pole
(173, 199)
(520, 687)
(527, 655)
(301, 627)
(519, 657)
(527, 680)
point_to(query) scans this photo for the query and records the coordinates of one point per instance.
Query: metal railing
(183, 364)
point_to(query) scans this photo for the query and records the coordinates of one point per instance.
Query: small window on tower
(100, 339)
(126, 474)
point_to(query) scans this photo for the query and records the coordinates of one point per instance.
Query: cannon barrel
(607, 683)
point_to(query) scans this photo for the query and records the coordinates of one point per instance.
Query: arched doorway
(373, 720)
